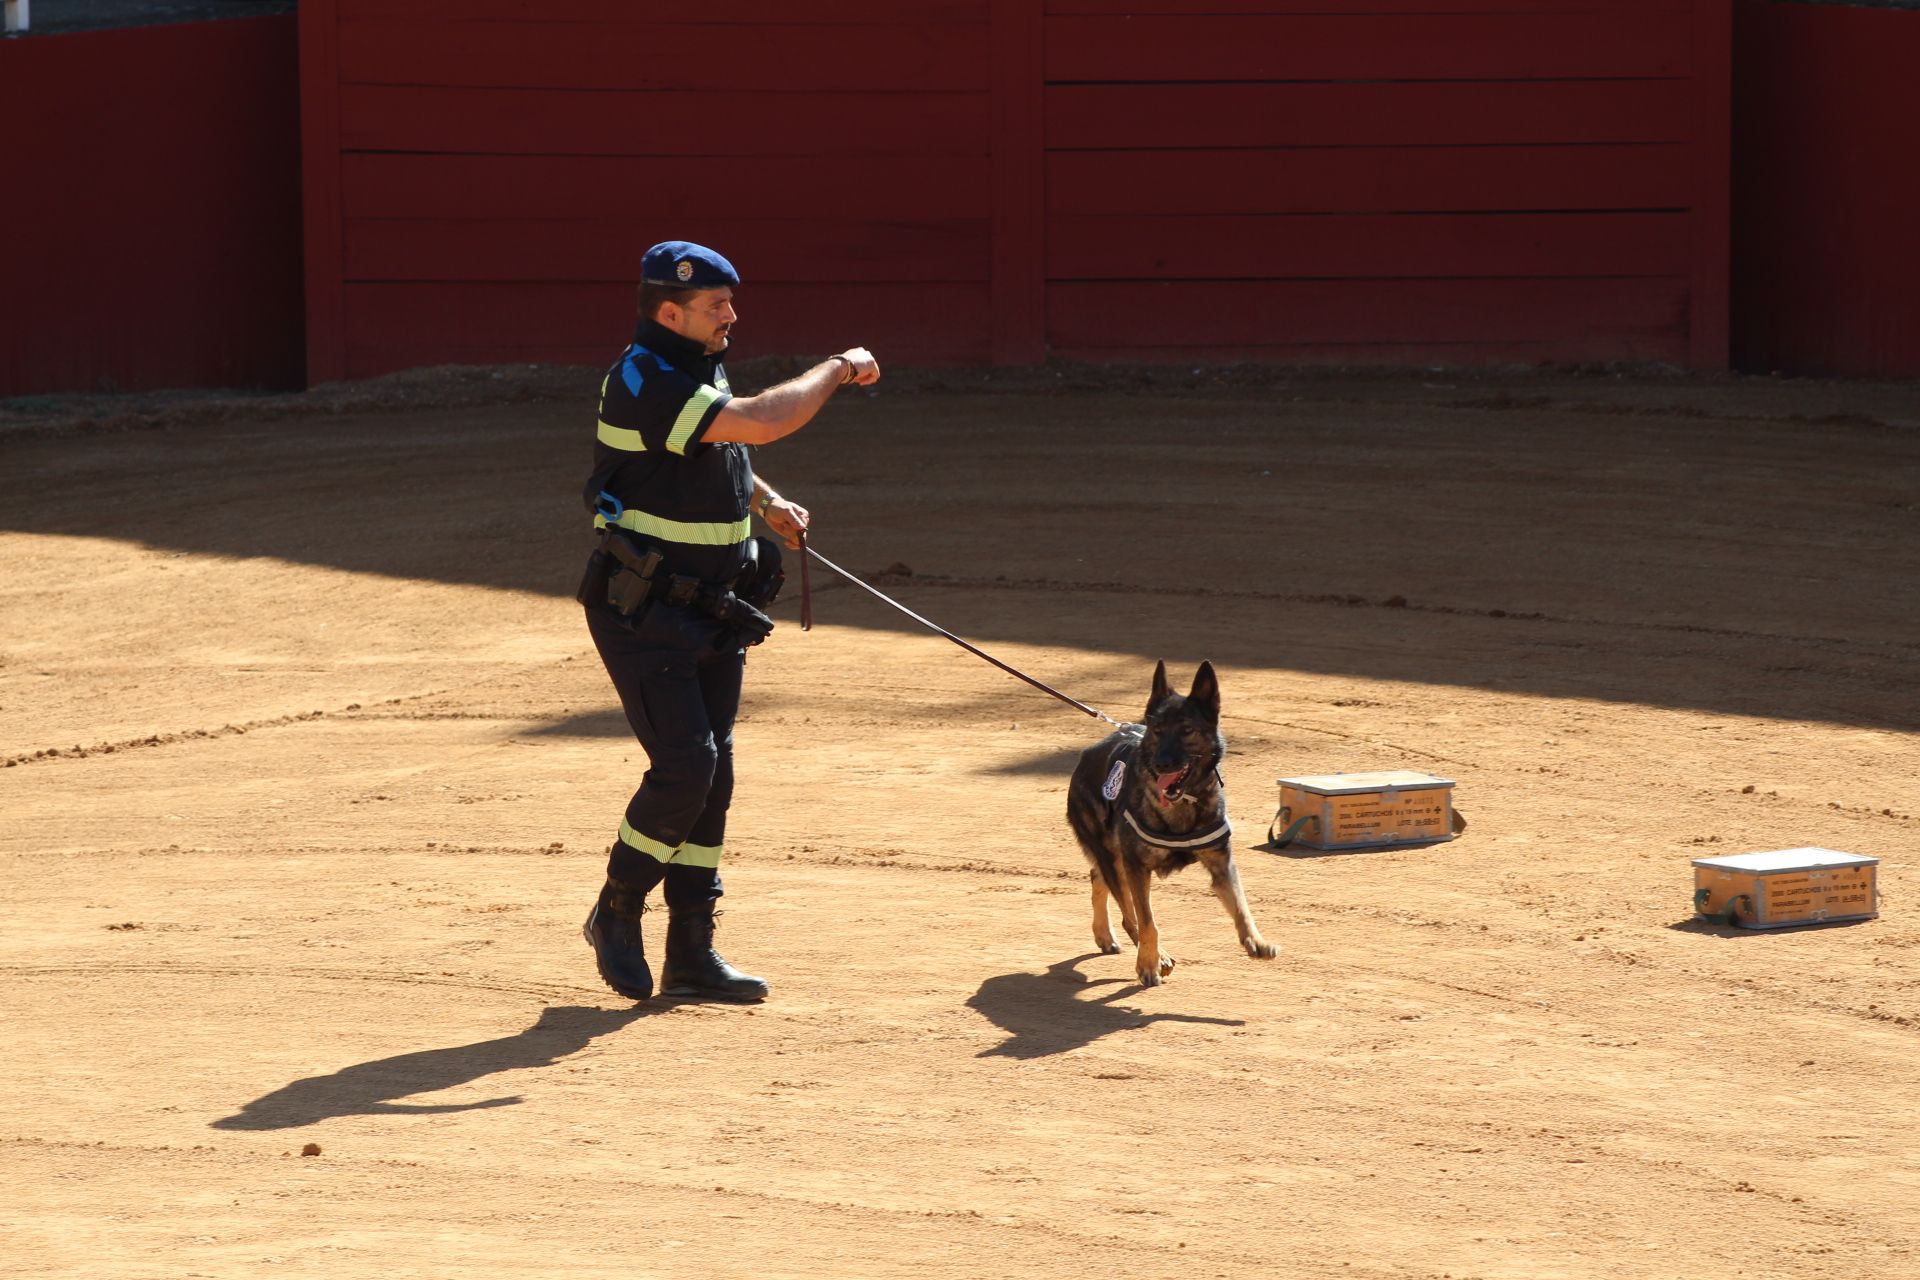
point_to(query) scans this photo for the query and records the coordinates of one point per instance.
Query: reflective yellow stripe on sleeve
(621, 438)
(646, 844)
(690, 416)
(699, 855)
(717, 534)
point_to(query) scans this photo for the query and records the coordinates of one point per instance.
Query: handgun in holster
(629, 587)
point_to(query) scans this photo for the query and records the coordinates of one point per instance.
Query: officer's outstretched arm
(782, 410)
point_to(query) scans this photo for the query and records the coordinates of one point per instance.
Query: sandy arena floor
(310, 771)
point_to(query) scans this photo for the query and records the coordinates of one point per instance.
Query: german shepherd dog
(1148, 801)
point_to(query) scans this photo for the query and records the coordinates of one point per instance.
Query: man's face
(707, 318)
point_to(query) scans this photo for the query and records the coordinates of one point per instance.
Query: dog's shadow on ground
(1042, 1013)
(367, 1088)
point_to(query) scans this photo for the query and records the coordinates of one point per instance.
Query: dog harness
(1121, 758)
(1215, 836)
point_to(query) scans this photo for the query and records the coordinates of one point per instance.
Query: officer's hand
(866, 370)
(787, 519)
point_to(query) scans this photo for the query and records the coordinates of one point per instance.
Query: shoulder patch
(1115, 776)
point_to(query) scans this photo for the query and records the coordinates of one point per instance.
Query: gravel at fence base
(1595, 389)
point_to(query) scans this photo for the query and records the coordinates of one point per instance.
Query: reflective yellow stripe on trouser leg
(654, 849)
(699, 855)
(687, 855)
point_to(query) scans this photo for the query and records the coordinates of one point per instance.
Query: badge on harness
(1111, 787)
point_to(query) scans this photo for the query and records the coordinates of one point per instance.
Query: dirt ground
(310, 771)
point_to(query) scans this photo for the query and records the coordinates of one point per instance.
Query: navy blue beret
(681, 264)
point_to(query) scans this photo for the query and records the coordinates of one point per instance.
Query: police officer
(673, 597)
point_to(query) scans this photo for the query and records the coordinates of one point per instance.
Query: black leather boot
(694, 968)
(613, 931)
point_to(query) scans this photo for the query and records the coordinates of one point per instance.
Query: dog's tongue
(1165, 782)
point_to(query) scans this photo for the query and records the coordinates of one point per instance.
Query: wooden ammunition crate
(1365, 810)
(1786, 886)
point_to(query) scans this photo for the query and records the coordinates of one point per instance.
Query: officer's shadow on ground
(607, 722)
(367, 1088)
(1042, 1015)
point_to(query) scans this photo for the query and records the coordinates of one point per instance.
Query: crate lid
(1807, 858)
(1346, 784)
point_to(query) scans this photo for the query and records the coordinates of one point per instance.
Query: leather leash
(806, 587)
(806, 622)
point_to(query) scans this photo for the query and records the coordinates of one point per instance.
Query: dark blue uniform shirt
(667, 484)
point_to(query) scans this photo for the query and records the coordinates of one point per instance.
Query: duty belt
(638, 582)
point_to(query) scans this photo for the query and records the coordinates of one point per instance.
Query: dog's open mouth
(1170, 785)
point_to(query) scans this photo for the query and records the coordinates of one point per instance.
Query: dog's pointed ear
(1160, 690)
(1206, 690)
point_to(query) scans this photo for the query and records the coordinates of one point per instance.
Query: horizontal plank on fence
(786, 319)
(608, 249)
(1213, 47)
(886, 188)
(845, 126)
(628, 55)
(1661, 348)
(1286, 312)
(1111, 7)
(1281, 246)
(1518, 112)
(369, 360)
(737, 12)
(1372, 180)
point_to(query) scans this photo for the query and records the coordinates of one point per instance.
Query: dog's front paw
(1261, 949)
(1166, 964)
(1107, 948)
(1149, 977)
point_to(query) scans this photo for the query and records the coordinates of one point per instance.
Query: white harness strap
(1212, 837)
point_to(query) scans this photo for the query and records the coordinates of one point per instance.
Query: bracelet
(853, 370)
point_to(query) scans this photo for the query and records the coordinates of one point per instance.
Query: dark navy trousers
(678, 675)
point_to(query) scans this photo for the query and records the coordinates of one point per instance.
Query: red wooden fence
(966, 180)
(152, 209)
(1528, 180)
(973, 180)
(1827, 181)
(483, 176)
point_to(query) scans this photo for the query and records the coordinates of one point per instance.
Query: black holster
(632, 584)
(761, 577)
(593, 583)
(748, 624)
(620, 573)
